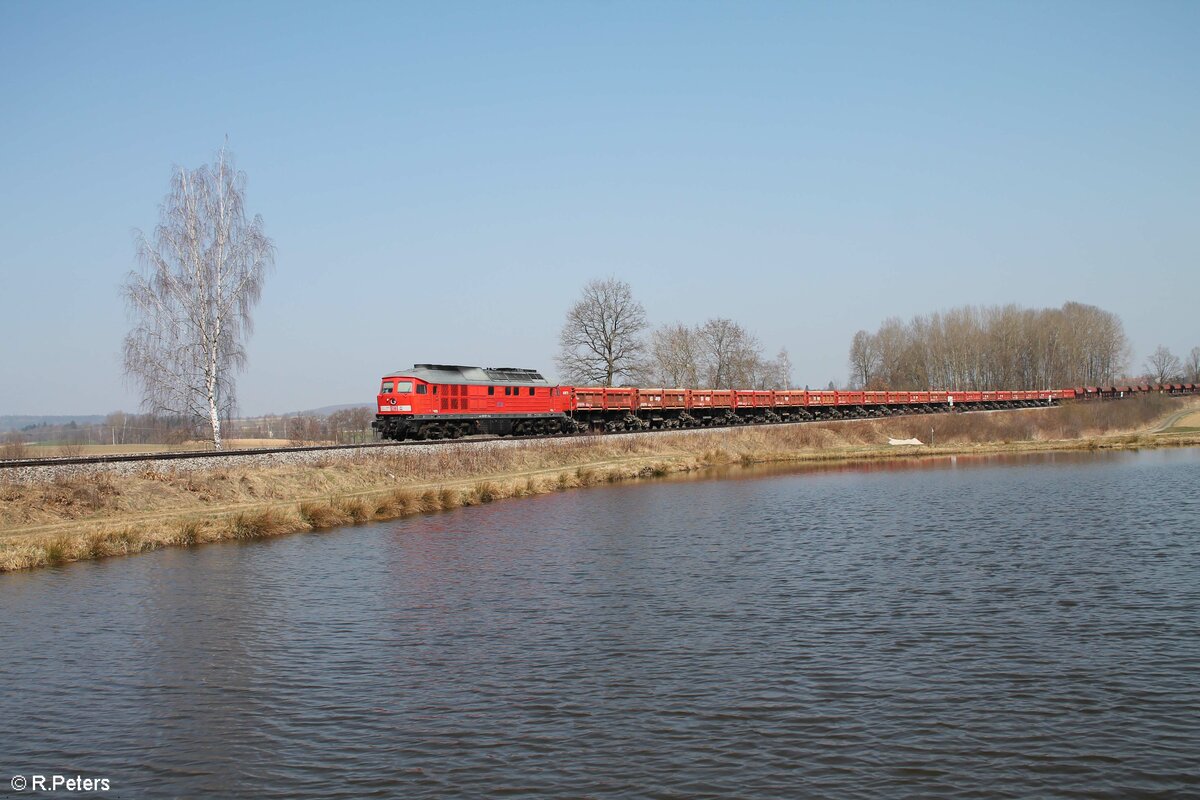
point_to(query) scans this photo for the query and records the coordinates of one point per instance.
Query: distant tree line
(347, 426)
(117, 428)
(992, 347)
(607, 340)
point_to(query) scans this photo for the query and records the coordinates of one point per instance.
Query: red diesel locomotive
(440, 401)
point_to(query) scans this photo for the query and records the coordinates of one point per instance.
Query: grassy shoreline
(103, 515)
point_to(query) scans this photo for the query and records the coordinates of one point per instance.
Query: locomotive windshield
(387, 388)
(400, 387)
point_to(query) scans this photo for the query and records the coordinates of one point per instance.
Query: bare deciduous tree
(191, 304)
(718, 354)
(864, 360)
(1193, 366)
(601, 340)
(674, 356)
(732, 355)
(1163, 365)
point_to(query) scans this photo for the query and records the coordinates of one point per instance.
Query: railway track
(185, 455)
(181, 455)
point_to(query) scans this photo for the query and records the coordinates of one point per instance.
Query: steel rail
(182, 455)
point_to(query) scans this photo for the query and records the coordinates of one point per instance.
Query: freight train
(445, 401)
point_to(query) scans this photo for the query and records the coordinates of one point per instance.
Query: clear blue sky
(441, 179)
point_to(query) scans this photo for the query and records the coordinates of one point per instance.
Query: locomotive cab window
(387, 387)
(491, 390)
(420, 388)
(403, 387)
(435, 389)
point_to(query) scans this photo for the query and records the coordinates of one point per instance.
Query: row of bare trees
(606, 340)
(118, 428)
(719, 353)
(992, 347)
(347, 426)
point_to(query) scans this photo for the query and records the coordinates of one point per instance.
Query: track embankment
(98, 513)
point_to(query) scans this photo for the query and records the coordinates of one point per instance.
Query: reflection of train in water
(437, 401)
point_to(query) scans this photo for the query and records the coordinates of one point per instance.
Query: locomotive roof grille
(456, 373)
(513, 374)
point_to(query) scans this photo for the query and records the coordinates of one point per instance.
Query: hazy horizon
(440, 182)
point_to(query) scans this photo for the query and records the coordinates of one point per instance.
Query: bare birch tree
(202, 274)
(1163, 365)
(601, 340)
(781, 370)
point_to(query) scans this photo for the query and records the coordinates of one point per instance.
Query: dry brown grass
(101, 515)
(70, 450)
(13, 447)
(259, 524)
(189, 532)
(356, 509)
(319, 516)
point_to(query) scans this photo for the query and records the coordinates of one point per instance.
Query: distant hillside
(326, 410)
(16, 422)
(322, 411)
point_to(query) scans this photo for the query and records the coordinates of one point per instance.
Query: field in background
(1187, 423)
(49, 451)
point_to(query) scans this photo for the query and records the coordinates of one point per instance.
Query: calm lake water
(1024, 627)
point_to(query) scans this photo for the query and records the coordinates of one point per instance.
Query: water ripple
(1015, 628)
